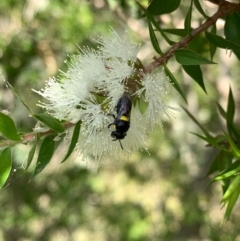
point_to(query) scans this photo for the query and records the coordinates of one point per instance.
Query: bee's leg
(121, 144)
(110, 125)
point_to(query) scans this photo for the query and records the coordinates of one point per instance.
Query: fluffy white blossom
(155, 88)
(91, 88)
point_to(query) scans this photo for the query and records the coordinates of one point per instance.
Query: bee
(122, 121)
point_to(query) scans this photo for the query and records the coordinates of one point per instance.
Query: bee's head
(118, 135)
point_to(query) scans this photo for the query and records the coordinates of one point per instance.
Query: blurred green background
(162, 196)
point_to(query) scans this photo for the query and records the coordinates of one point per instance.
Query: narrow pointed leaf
(73, 141)
(199, 136)
(45, 154)
(219, 163)
(228, 165)
(222, 111)
(154, 39)
(151, 31)
(31, 153)
(236, 151)
(174, 82)
(195, 72)
(188, 19)
(19, 98)
(199, 8)
(189, 57)
(230, 107)
(231, 30)
(220, 42)
(231, 203)
(51, 122)
(156, 25)
(214, 165)
(212, 141)
(8, 128)
(228, 174)
(213, 47)
(232, 187)
(5, 165)
(158, 7)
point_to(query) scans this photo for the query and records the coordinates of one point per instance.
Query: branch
(224, 9)
(30, 136)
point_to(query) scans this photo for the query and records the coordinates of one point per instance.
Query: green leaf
(232, 187)
(5, 165)
(156, 25)
(231, 30)
(45, 154)
(235, 150)
(212, 141)
(19, 97)
(154, 39)
(73, 141)
(236, 132)
(230, 108)
(8, 128)
(195, 72)
(220, 42)
(231, 203)
(225, 162)
(31, 152)
(158, 7)
(51, 122)
(222, 111)
(199, 8)
(227, 174)
(174, 82)
(189, 57)
(220, 162)
(188, 19)
(212, 47)
(214, 165)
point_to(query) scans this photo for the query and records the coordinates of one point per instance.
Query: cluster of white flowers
(91, 88)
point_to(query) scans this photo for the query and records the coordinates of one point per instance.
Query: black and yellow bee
(122, 121)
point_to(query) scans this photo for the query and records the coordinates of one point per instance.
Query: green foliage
(5, 165)
(188, 19)
(231, 30)
(51, 122)
(158, 7)
(32, 152)
(227, 162)
(74, 140)
(8, 128)
(189, 57)
(196, 73)
(45, 154)
(174, 83)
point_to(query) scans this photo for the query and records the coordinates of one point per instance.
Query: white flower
(154, 91)
(90, 90)
(118, 47)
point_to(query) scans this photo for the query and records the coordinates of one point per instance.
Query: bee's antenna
(121, 144)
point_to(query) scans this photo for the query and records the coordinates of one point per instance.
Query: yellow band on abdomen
(124, 118)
